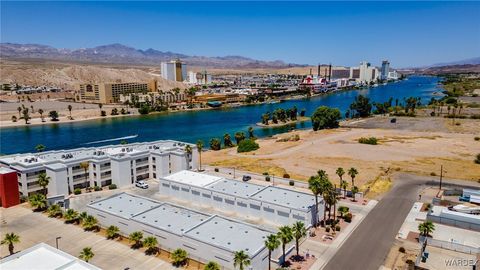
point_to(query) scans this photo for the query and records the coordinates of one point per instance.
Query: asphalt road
(368, 246)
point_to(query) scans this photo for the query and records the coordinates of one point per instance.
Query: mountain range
(121, 54)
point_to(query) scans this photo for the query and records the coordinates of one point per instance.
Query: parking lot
(34, 228)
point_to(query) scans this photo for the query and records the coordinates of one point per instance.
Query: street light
(56, 241)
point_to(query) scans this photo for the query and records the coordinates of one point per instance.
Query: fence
(450, 245)
(455, 223)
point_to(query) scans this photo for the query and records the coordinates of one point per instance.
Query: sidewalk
(325, 252)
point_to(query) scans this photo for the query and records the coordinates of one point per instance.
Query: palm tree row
(216, 143)
(284, 236)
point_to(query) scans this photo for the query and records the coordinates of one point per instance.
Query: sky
(342, 33)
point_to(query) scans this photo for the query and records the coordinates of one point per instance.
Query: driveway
(369, 244)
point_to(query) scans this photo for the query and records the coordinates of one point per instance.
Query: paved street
(369, 244)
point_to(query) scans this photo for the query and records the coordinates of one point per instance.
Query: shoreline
(300, 119)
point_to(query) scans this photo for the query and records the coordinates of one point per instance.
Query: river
(194, 125)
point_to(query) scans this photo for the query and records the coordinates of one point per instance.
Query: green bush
(97, 188)
(327, 229)
(103, 113)
(325, 117)
(216, 169)
(247, 145)
(77, 191)
(265, 173)
(337, 228)
(291, 183)
(112, 186)
(145, 109)
(370, 140)
(401, 249)
(267, 178)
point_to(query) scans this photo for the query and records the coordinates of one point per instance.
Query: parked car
(141, 184)
(246, 178)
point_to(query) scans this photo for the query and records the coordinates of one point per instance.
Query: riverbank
(300, 119)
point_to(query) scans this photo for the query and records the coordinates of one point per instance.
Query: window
(254, 206)
(218, 199)
(270, 210)
(206, 195)
(283, 214)
(229, 201)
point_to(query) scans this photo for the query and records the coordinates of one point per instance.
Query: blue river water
(194, 125)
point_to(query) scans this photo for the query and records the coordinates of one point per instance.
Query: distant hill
(121, 54)
(438, 70)
(470, 61)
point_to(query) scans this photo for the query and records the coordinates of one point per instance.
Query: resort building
(121, 165)
(201, 78)
(275, 204)
(385, 70)
(109, 92)
(165, 97)
(365, 73)
(174, 70)
(205, 237)
(45, 257)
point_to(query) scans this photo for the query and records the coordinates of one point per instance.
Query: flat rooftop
(124, 205)
(192, 178)
(286, 197)
(230, 235)
(31, 159)
(44, 257)
(171, 218)
(236, 188)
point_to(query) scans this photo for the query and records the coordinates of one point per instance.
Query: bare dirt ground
(415, 145)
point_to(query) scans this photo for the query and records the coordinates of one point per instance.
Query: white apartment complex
(364, 73)
(121, 165)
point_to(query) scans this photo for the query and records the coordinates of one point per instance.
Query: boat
(214, 104)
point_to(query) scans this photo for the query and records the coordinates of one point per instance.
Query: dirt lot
(416, 145)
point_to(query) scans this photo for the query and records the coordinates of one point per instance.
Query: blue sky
(343, 33)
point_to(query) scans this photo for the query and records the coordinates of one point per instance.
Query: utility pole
(441, 176)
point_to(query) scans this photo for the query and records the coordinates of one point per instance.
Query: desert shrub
(97, 188)
(286, 175)
(247, 145)
(475, 116)
(327, 229)
(433, 174)
(477, 160)
(103, 113)
(112, 186)
(401, 249)
(370, 140)
(77, 191)
(477, 138)
(337, 228)
(291, 183)
(267, 178)
(348, 217)
(216, 169)
(265, 173)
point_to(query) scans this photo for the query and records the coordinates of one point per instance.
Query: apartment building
(109, 92)
(364, 73)
(121, 165)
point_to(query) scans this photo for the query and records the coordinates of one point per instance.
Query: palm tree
(112, 232)
(330, 197)
(19, 109)
(10, 239)
(136, 238)
(239, 136)
(344, 185)
(38, 201)
(40, 147)
(241, 259)
(212, 266)
(353, 172)
(354, 191)
(271, 244)
(43, 181)
(40, 111)
(426, 228)
(343, 210)
(227, 140)
(340, 172)
(151, 244)
(90, 223)
(26, 115)
(86, 254)
(70, 110)
(285, 234)
(55, 210)
(179, 257)
(250, 133)
(315, 186)
(85, 165)
(199, 149)
(100, 105)
(188, 150)
(71, 216)
(299, 231)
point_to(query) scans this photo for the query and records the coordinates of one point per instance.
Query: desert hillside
(66, 75)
